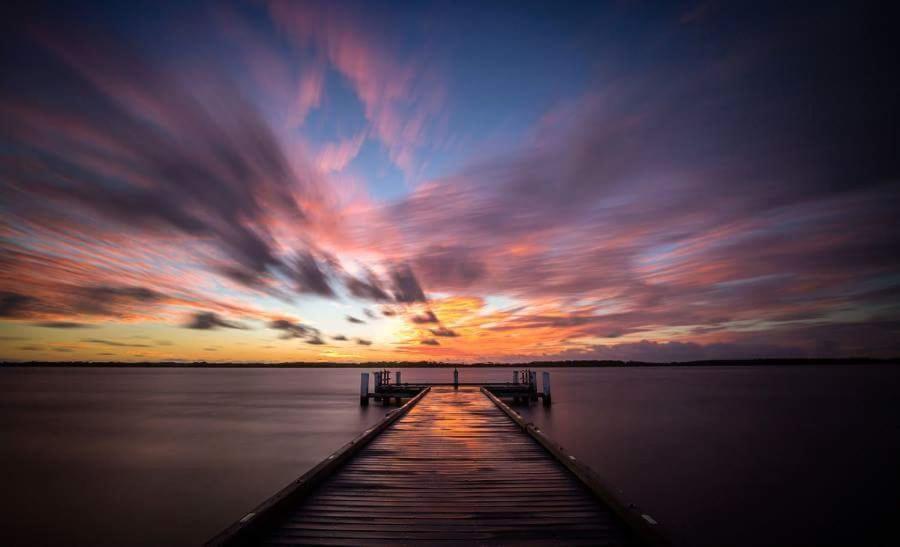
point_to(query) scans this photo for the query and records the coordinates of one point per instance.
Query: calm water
(720, 456)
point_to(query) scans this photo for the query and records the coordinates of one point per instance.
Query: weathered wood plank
(644, 527)
(246, 531)
(454, 469)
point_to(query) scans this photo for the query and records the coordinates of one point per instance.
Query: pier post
(515, 382)
(455, 378)
(398, 377)
(364, 389)
(532, 384)
(546, 380)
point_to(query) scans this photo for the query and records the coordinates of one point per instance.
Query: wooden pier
(454, 465)
(524, 387)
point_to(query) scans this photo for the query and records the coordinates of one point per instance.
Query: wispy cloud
(401, 97)
(62, 325)
(210, 321)
(291, 329)
(427, 317)
(443, 331)
(114, 343)
(334, 156)
(13, 304)
(684, 206)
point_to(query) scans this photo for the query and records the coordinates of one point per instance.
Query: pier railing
(387, 387)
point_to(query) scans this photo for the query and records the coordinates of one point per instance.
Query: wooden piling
(364, 389)
(515, 376)
(398, 377)
(456, 378)
(377, 384)
(546, 383)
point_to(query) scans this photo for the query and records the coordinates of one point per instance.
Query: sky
(467, 181)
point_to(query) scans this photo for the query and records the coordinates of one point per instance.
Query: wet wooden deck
(455, 469)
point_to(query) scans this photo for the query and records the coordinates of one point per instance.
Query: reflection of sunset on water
(221, 221)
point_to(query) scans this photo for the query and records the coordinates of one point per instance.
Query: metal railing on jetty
(524, 386)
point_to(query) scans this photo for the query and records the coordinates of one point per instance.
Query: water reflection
(165, 456)
(169, 456)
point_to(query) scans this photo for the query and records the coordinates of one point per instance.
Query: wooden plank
(453, 469)
(329, 540)
(244, 531)
(647, 528)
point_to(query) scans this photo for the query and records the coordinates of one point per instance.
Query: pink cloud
(334, 156)
(609, 208)
(295, 91)
(649, 211)
(309, 93)
(401, 97)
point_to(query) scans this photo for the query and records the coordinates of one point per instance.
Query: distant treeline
(439, 364)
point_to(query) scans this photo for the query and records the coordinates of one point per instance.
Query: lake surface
(719, 455)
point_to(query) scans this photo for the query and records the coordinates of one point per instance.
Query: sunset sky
(336, 181)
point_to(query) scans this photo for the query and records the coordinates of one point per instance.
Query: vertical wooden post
(455, 378)
(546, 388)
(398, 377)
(532, 384)
(515, 376)
(364, 389)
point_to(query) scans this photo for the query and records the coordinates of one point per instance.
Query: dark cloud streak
(13, 304)
(406, 287)
(205, 167)
(291, 329)
(63, 325)
(427, 317)
(114, 343)
(312, 276)
(444, 331)
(108, 300)
(211, 321)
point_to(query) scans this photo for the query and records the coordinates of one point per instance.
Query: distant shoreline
(428, 364)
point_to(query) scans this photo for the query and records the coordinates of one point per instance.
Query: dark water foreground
(721, 456)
